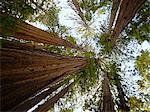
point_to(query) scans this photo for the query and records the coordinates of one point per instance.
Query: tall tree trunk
(26, 31)
(128, 9)
(24, 72)
(122, 102)
(36, 98)
(115, 6)
(108, 105)
(49, 104)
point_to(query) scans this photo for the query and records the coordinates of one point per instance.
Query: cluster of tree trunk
(25, 71)
(50, 102)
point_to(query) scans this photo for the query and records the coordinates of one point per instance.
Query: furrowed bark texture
(28, 32)
(128, 9)
(24, 72)
(108, 105)
(36, 98)
(49, 104)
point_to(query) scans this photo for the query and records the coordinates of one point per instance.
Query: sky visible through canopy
(66, 16)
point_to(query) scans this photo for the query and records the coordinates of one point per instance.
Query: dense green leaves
(105, 41)
(89, 76)
(142, 64)
(6, 23)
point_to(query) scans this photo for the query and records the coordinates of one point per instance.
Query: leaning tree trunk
(36, 98)
(25, 71)
(108, 105)
(25, 31)
(128, 9)
(49, 104)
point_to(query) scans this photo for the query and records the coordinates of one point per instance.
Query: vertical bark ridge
(28, 32)
(128, 9)
(122, 102)
(33, 100)
(23, 79)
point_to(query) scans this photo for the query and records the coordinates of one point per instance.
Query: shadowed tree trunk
(49, 104)
(122, 102)
(128, 9)
(108, 105)
(36, 98)
(24, 72)
(26, 31)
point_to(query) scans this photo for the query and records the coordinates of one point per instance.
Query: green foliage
(71, 39)
(6, 23)
(50, 18)
(93, 5)
(66, 110)
(142, 64)
(105, 41)
(88, 77)
(18, 8)
(135, 104)
(53, 49)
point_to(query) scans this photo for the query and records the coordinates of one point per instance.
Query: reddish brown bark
(49, 104)
(108, 105)
(26, 31)
(24, 72)
(33, 100)
(128, 9)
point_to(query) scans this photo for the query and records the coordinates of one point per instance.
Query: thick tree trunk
(28, 32)
(49, 104)
(36, 98)
(24, 72)
(108, 105)
(128, 9)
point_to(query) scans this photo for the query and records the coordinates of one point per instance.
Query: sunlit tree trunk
(108, 105)
(25, 71)
(28, 32)
(115, 6)
(49, 104)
